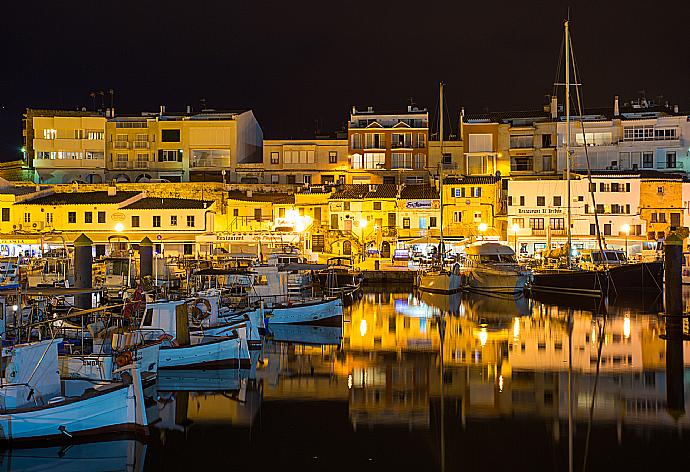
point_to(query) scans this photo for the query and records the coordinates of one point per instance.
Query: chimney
(249, 194)
(162, 112)
(554, 107)
(616, 108)
(189, 109)
(675, 108)
(370, 109)
(107, 113)
(409, 108)
(112, 190)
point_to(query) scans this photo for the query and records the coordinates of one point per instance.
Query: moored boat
(326, 311)
(492, 267)
(36, 404)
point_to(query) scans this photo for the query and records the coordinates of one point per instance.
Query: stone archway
(143, 178)
(122, 178)
(94, 179)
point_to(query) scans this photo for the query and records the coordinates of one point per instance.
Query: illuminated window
(332, 157)
(49, 134)
(275, 158)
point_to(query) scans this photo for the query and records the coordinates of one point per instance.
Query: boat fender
(167, 337)
(123, 359)
(197, 313)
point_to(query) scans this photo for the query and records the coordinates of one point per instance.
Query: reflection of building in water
(297, 371)
(502, 365)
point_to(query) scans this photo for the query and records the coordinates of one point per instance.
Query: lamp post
(515, 229)
(626, 230)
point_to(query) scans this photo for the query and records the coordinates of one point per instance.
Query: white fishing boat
(440, 279)
(490, 266)
(168, 321)
(326, 311)
(210, 316)
(35, 403)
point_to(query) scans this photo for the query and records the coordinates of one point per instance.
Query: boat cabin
(597, 257)
(490, 253)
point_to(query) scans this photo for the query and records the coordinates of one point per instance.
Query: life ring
(198, 314)
(123, 359)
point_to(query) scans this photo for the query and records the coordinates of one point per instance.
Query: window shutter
(179, 155)
(160, 155)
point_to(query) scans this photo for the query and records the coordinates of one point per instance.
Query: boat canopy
(486, 249)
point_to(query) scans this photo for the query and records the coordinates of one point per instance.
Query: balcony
(69, 163)
(211, 162)
(553, 232)
(376, 145)
(120, 164)
(142, 145)
(140, 165)
(401, 145)
(120, 144)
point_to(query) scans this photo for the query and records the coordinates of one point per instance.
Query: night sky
(300, 65)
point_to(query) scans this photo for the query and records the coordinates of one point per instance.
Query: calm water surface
(426, 383)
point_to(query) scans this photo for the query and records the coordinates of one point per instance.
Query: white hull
(206, 352)
(444, 282)
(496, 281)
(327, 311)
(113, 410)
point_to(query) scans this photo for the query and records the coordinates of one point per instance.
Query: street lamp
(515, 229)
(626, 229)
(482, 227)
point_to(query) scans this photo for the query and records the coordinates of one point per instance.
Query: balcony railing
(141, 144)
(401, 145)
(121, 144)
(140, 165)
(211, 162)
(376, 145)
(120, 164)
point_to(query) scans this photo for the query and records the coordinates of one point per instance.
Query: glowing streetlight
(626, 230)
(483, 337)
(483, 227)
(119, 227)
(363, 223)
(626, 327)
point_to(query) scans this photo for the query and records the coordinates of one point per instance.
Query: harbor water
(423, 382)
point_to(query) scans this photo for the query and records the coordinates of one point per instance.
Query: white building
(631, 137)
(537, 212)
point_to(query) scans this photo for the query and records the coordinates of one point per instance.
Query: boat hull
(444, 283)
(111, 411)
(571, 282)
(217, 352)
(495, 281)
(320, 313)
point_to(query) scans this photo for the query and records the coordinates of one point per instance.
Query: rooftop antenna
(112, 98)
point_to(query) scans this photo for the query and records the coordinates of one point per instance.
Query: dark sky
(297, 62)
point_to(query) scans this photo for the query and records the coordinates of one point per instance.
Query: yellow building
(469, 202)
(359, 215)
(178, 147)
(305, 162)
(661, 203)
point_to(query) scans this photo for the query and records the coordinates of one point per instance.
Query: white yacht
(490, 266)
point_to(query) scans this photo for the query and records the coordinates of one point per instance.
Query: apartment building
(64, 146)
(511, 143)
(629, 136)
(93, 147)
(388, 147)
(179, 147)
(305, 162)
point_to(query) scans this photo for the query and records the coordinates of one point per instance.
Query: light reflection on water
(369, 395)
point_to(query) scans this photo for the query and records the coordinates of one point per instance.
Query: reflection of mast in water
(442, 335)
(601, 335)
(570, 390)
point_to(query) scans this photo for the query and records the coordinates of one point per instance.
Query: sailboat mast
(567, 135)
(440, 163)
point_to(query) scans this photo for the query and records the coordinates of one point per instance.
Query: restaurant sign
(422, 204)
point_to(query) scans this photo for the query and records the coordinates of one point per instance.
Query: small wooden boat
(326, 311)
(36, 404)
(168, 321)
